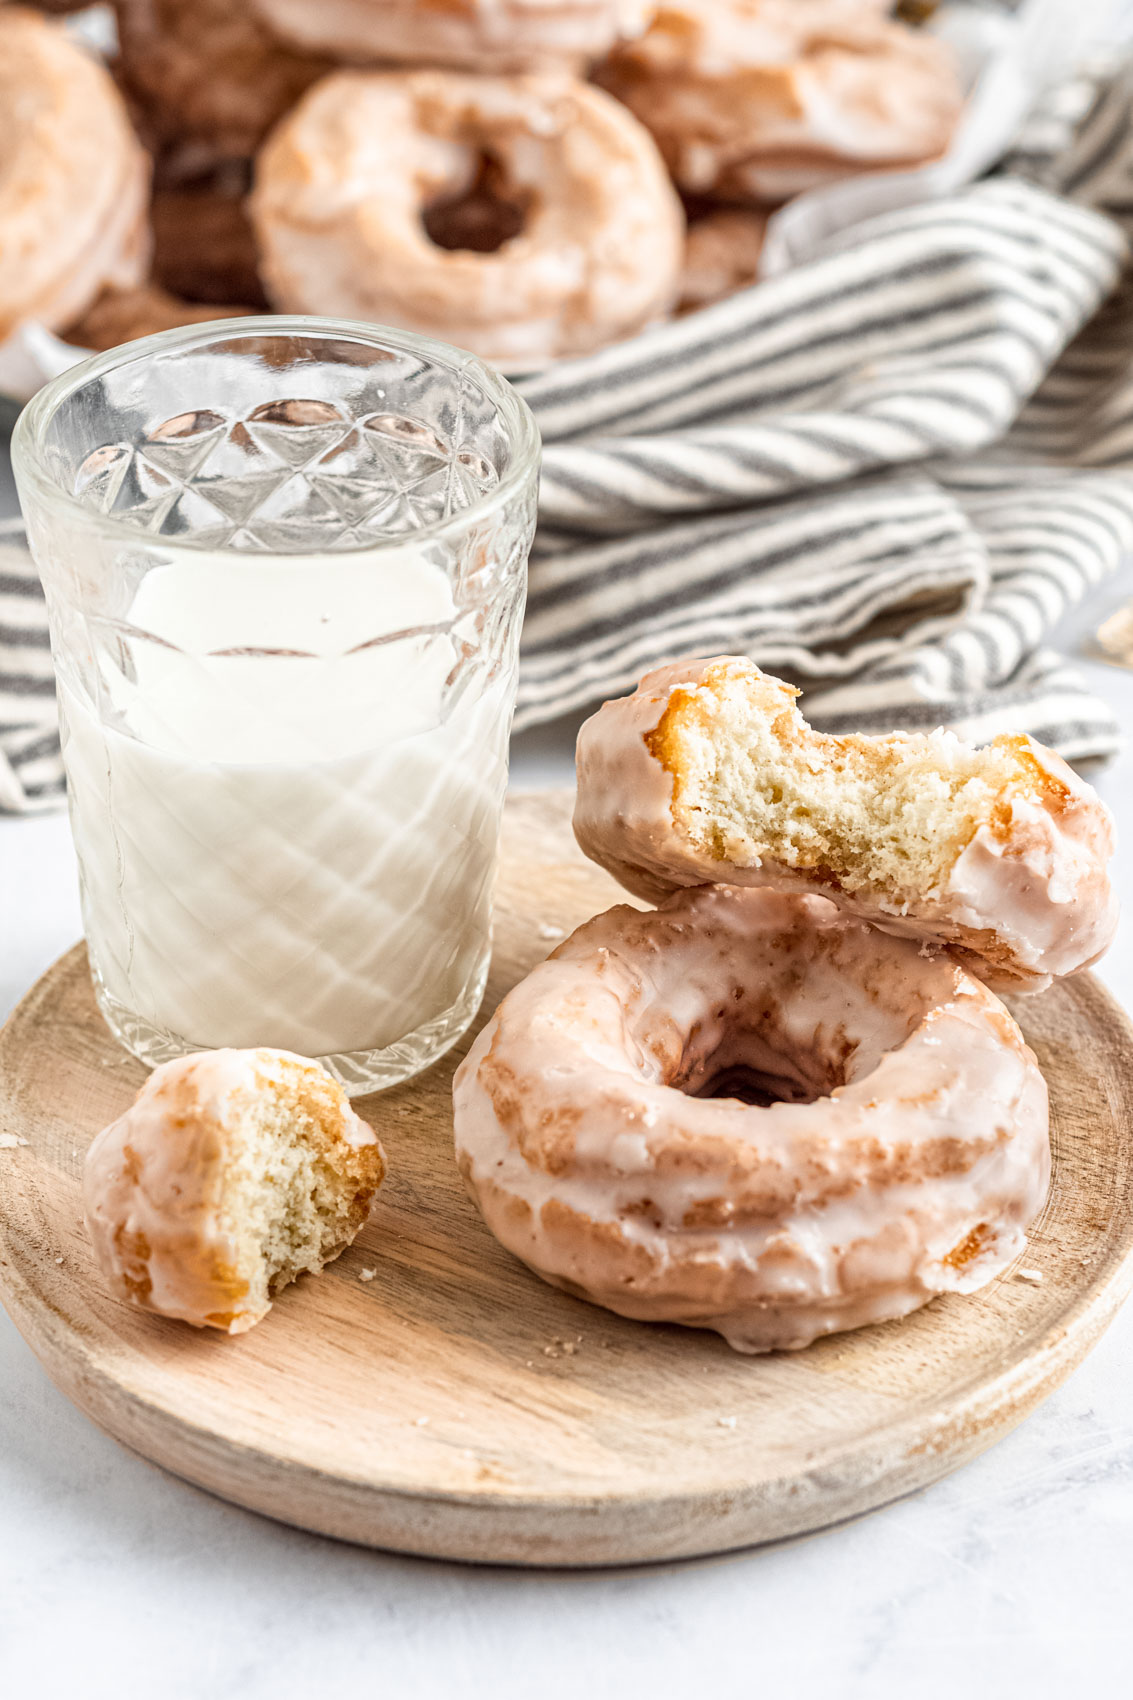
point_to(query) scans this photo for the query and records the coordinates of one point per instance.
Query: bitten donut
(601, 1125)
(761, 99)
(709, 773)
(350, 183)
(472, 35)
(208, 74)
(73, 178)
(232, 1173)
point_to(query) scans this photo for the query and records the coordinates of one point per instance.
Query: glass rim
(30, 465)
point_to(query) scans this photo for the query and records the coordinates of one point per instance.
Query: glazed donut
(123, 315)
(73, 178)
(208, 73)
(722, 251)
(472, 35)
(761, 99)
(902, 1153)
(709, 773)
(231, 1174)
(592, 228)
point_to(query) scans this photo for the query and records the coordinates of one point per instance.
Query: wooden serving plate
(453, 1405)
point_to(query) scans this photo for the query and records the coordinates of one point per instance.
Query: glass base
(357, 1071)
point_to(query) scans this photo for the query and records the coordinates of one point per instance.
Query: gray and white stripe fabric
(885, 474)
(30, 766)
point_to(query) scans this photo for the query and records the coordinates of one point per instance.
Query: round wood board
(455, 1406)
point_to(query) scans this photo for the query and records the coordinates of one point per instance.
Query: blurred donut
(204, 248)
(588, 229)
(207, 71)
(722, 252)
(73, 178)
(475, 35)
(762, 99)
(123, 315)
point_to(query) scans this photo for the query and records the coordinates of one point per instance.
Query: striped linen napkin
(884, 474)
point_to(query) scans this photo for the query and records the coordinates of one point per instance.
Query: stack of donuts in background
(528, 179)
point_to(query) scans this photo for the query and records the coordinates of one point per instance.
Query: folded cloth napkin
(885, 474)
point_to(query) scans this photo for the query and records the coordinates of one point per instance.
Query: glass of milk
(285, 565)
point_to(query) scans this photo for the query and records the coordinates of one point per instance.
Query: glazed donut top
(343, 184)
(910, 1113)
(766, 98)
(708, 773)
(474, 35)
(73, 177)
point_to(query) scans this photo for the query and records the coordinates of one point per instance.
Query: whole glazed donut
(709, 773)
(762, 99)
(473, 35)
(73, 178)
(903, 1154)
(346, 181)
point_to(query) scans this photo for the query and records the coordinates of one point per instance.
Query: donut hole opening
(486, 213)
(757, 1088)
(295, 1189)
(763, 1066)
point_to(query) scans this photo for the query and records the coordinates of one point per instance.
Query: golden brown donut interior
(752, 780)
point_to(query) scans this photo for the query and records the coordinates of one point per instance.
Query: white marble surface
(1012, 1576)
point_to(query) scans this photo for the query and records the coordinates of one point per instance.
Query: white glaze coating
(473, 35)
(343, 182)
(74, 179)
(153, 1183)
(763, 99)
(1033, 903)
(914, 1172)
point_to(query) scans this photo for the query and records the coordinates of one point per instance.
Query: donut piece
(473, 35)
(709, 773)
(591, 227)
(722, 251)
(232, 1173)
(73, 178)
(207, 72)
(761, 99)
(893, 1144)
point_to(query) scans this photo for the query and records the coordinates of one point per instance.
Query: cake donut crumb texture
(232, 1173)
(709, 773)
